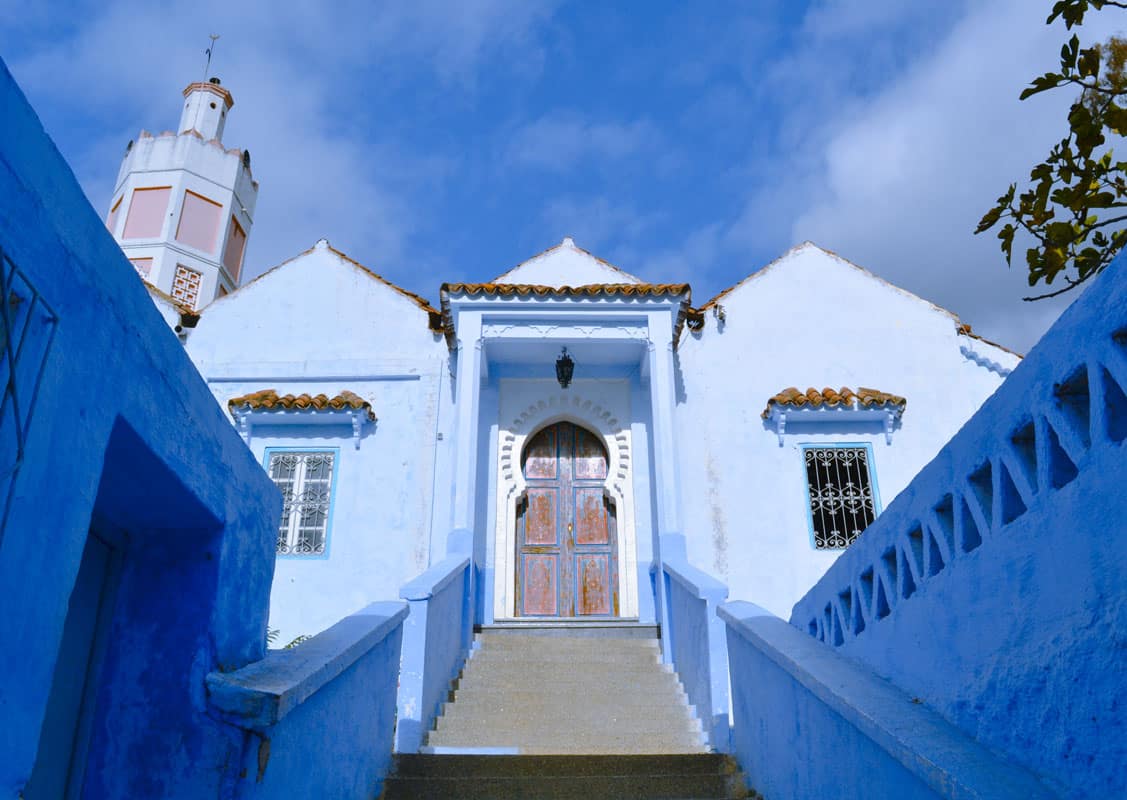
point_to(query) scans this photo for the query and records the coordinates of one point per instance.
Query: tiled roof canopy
(589, 290)
(270, 400)
(844, 398)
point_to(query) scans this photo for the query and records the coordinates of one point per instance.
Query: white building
(400, 431)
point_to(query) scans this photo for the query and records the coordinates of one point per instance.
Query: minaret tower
(183, 205)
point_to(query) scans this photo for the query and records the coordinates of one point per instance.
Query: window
(199, 222)
(842, 494)
(146, 213)
(186, 286)
(144, 266)
(306, 480)
(233, 255)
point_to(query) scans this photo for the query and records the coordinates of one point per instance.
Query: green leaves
(1075, 207)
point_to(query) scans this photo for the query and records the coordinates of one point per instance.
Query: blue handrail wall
(992, 587)
(436, 640)
(695, 638)
(810, 722)
(320, 717)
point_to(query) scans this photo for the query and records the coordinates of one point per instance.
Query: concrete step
(536, 694)
(606, 659)
(575, 629)
(667, 743)
(580, 719)
(537, 703)
(551, 777)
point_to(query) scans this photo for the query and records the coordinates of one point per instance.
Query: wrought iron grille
(305, 478)
(841, 494)
(27, 330)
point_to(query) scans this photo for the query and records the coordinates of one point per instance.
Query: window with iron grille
(306, 480)
(842, 496)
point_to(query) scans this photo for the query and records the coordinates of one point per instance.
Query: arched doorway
(567, 548)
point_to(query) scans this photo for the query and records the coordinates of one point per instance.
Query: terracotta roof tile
(270, 400)
(843, 397)
(589, 290)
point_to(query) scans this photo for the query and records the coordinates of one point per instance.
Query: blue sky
(695, 142)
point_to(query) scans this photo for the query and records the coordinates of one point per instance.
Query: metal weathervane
(207, 66)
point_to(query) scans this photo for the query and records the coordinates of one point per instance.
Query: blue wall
(124, 439)
(992, 587)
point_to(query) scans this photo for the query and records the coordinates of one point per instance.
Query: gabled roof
(434, 317)
(566, 257)
(696, 315)
(808, 245)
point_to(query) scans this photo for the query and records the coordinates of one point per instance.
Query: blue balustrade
(694, 638)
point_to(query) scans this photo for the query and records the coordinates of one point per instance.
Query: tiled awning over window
(844, 398)
(828, 405)
(271, 408)
(270, 400)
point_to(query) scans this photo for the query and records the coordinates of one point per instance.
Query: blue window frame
(307, 479)
(842, 495)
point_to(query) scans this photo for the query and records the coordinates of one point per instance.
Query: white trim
(555, 406)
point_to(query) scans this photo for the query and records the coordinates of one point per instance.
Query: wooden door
(567, 549)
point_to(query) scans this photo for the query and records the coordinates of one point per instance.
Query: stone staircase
(559, 716)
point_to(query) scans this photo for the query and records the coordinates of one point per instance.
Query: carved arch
(514, 434)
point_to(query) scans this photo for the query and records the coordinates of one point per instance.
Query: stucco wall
(321, 324)
(189, 517)
(809, 319)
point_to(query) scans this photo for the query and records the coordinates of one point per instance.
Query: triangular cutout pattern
(883, 608)
(838, 637)
(1115, 407)
(945, 518)
(866, 586)
(846, 600)
(889, 559)
(982, 483)
(969, 535)
(1074, 399)
(907, 582)
(1062, 470)
(1012, 504)
(935, 561)
(1025, 447)
(916, 542)
(858, 616)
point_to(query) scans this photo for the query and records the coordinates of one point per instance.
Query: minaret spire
(183, 205)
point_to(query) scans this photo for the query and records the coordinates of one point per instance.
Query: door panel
(594, 594)
(590, 517)
(541, 587)
(542, 519)
(566, 543)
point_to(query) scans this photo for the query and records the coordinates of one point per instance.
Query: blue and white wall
(321, 323)
(808, 319)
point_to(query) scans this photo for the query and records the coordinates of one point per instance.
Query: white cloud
(561, 140)
(298, 74)
(895, 176)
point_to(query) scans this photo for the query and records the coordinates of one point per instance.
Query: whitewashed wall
(316, 324)
(808, 319)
